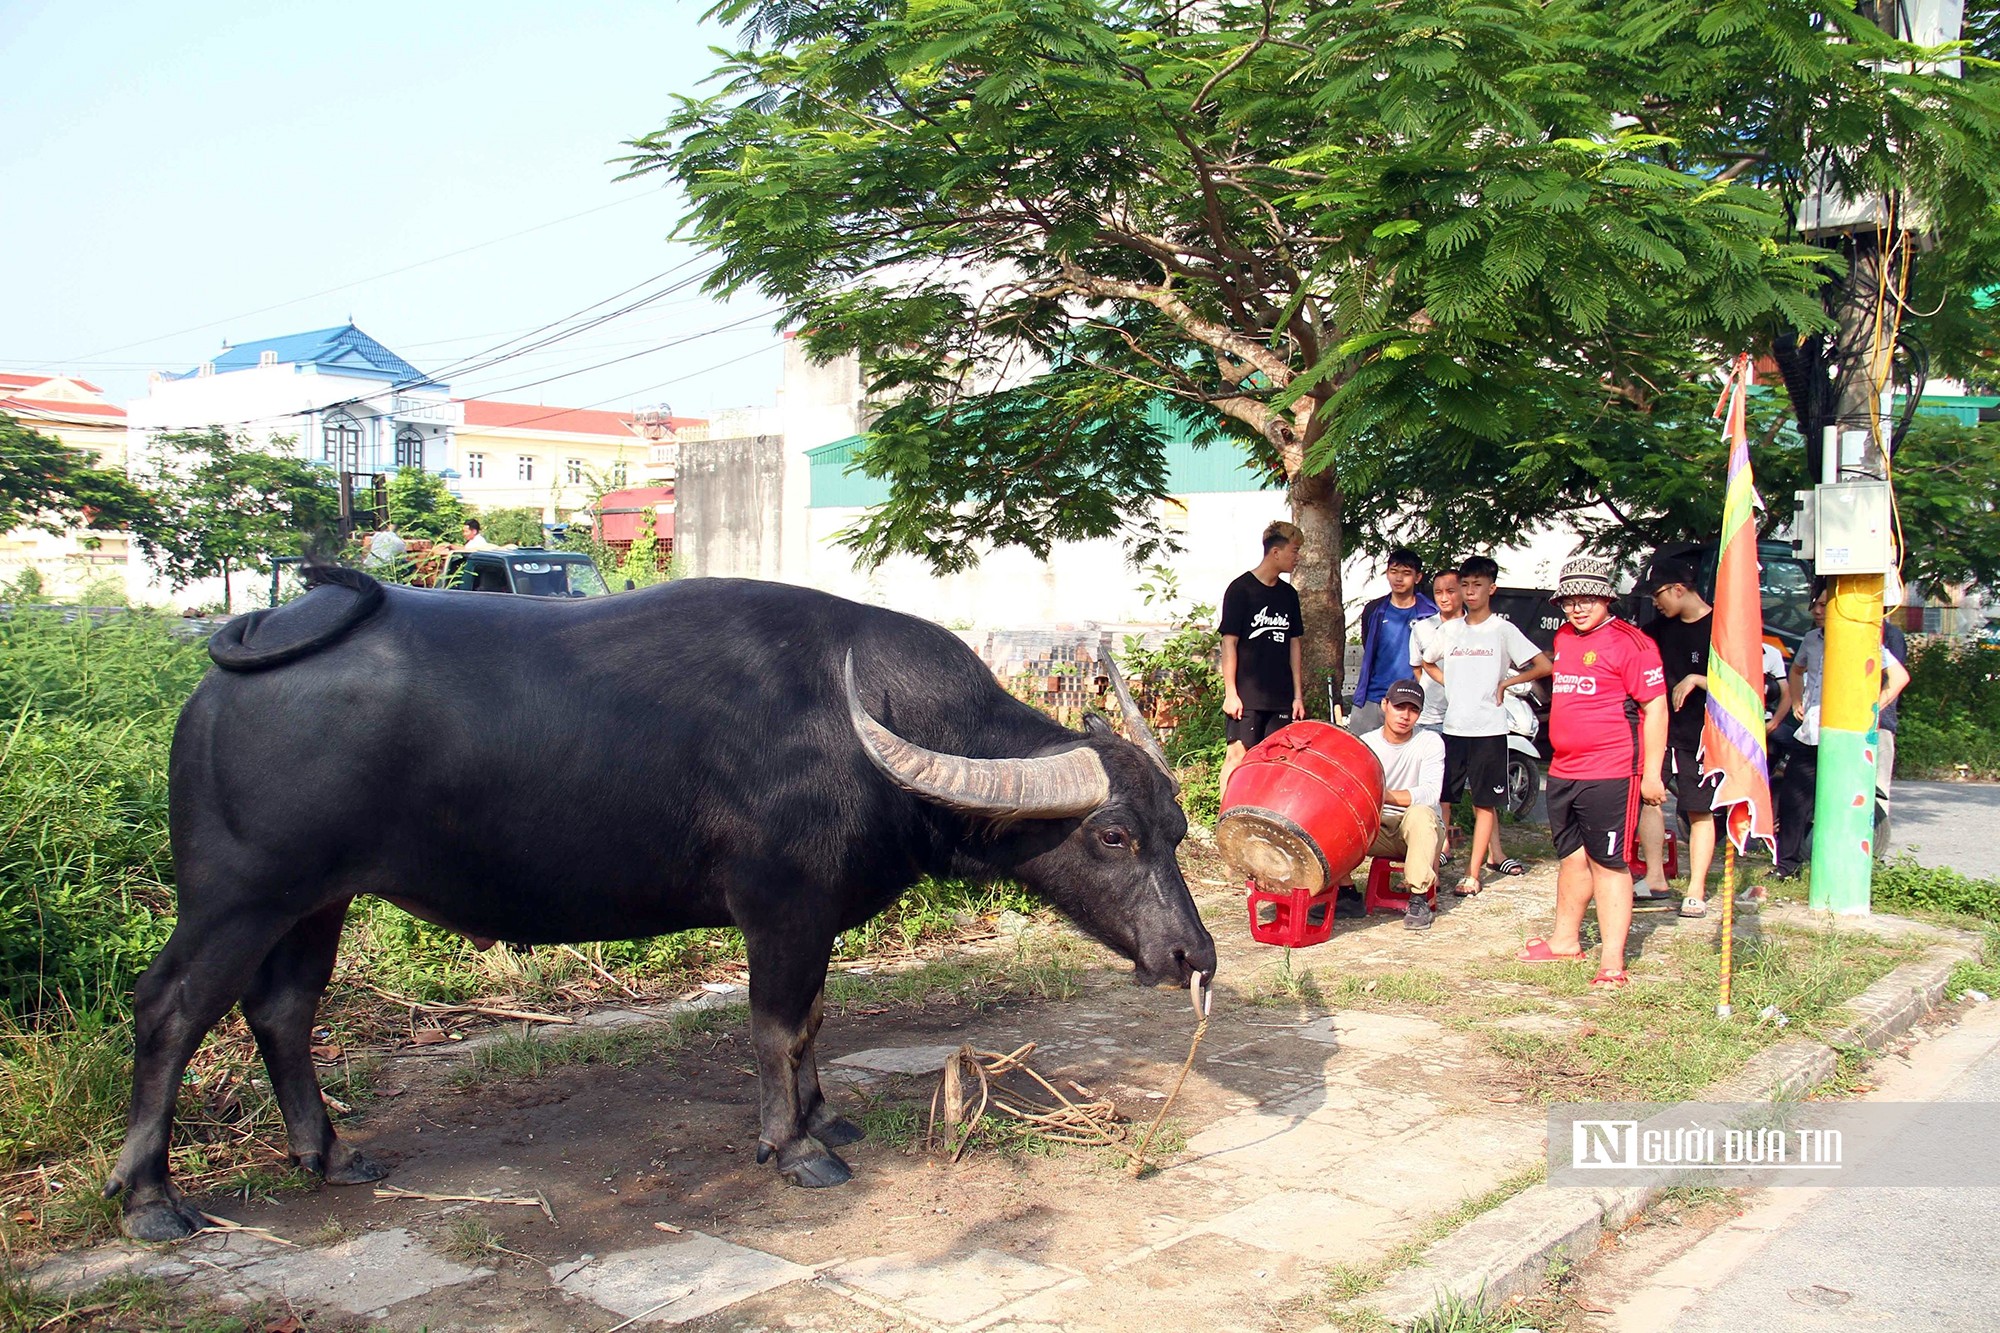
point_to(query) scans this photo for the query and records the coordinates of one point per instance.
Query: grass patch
(1660, 1040)
(126, 1305)
(1347, 1282)
(897, 1125)
(1283, 984)
(1983, 974)
(525, 1055)
(1908, 889)
(1399, 987)
(1043, 965)
(471, 1239)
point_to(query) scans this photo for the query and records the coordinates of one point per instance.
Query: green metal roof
(1192, 468)
(1960, 408)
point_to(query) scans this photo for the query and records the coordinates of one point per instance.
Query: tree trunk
(1316, 509)
(227, 610)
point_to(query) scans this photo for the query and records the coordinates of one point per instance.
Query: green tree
(421, 506)
(228, 505)
(46, 484)
(518, 526)
(1947, 504)
(1422, 259)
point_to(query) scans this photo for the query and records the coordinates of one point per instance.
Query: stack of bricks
(1060, 671)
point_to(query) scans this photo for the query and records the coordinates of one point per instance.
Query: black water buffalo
(709, 753)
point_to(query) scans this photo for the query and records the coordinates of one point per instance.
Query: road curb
(1507, 1251)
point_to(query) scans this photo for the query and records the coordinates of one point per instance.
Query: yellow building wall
(551, 491)
(82, 560)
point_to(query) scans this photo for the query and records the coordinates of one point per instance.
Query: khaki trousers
(1413, 837)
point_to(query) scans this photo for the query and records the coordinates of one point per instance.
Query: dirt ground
(1310, 1139)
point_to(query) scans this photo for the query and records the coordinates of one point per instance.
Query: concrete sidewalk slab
(952, 1292)
(679, 1281)
(362, 1276)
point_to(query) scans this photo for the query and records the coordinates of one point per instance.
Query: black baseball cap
(1669, 569)
(1404, 692)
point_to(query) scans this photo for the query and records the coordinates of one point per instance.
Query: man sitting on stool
(1412, 781)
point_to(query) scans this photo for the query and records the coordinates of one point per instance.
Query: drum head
(1266, 846)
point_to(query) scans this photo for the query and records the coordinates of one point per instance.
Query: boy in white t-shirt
(1444, 591)
(1477, 658)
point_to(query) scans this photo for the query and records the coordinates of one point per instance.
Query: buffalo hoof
(838, 1132)
(351, 1167)
(162, 1220)
(814, 1168)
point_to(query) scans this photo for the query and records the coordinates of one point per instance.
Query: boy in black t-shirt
(1263, 661)
(1683, 632)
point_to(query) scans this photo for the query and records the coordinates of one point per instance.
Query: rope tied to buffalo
(1092, 1122)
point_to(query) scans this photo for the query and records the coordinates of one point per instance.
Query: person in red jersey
(1608, 731)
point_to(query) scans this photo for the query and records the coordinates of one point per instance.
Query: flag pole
(1722, 1009)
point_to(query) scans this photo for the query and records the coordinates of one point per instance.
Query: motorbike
(1524, 774)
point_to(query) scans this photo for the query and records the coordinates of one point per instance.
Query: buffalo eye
(1112, 837)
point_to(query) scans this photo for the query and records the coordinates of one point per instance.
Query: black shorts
(1254, 725)
(1694, 794)
(1596, 816)
(1477, 764)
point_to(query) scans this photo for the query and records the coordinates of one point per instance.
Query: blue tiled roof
(344, 348)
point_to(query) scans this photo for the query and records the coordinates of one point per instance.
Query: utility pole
(1854, 546)
(1851, 518)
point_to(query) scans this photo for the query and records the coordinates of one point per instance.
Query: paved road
(1831, 1259)
(1952, 824)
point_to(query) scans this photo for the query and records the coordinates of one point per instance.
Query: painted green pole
(1843, 856)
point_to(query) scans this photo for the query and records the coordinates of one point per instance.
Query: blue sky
(171, 170)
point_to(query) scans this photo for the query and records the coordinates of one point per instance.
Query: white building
(774, 505)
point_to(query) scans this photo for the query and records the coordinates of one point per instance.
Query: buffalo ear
(1096, 724)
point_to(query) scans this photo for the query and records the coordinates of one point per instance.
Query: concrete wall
(730, 515)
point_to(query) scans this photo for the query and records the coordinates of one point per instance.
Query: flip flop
(1610, 981)
(1645, 895)
(1694, 907)
(1464, 892)
(1512, 867)
(1538, 951)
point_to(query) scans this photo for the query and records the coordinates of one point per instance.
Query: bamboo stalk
(1722, 1009)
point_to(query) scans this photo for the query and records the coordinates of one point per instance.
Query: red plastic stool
(1670, 854)
(1379, 897)
(1298, 918)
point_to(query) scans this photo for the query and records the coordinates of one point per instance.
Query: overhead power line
(358, 282)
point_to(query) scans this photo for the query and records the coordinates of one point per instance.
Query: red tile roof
(10, 379)
(60, 407)
(566, 420)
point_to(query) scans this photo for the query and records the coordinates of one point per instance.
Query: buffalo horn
(1135, 723)
(1051, 787)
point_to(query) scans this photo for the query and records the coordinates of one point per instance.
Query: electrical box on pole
(1853, 528)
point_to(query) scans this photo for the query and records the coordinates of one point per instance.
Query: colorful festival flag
(1732, 734)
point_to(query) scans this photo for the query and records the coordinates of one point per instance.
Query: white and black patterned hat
(1586, 576)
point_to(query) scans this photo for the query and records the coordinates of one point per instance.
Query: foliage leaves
(1475, 257)
(227, 505)
(46, 484)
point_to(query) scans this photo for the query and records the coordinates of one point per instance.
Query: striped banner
(1732, 735)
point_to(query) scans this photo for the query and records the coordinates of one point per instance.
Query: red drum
(1301, 810)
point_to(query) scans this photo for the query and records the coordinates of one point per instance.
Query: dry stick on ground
(224, 1224)
(488, 1010)
(599, 968)
(397, 1192)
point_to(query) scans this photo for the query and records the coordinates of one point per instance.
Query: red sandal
(1538, 951)
(1610, 981)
